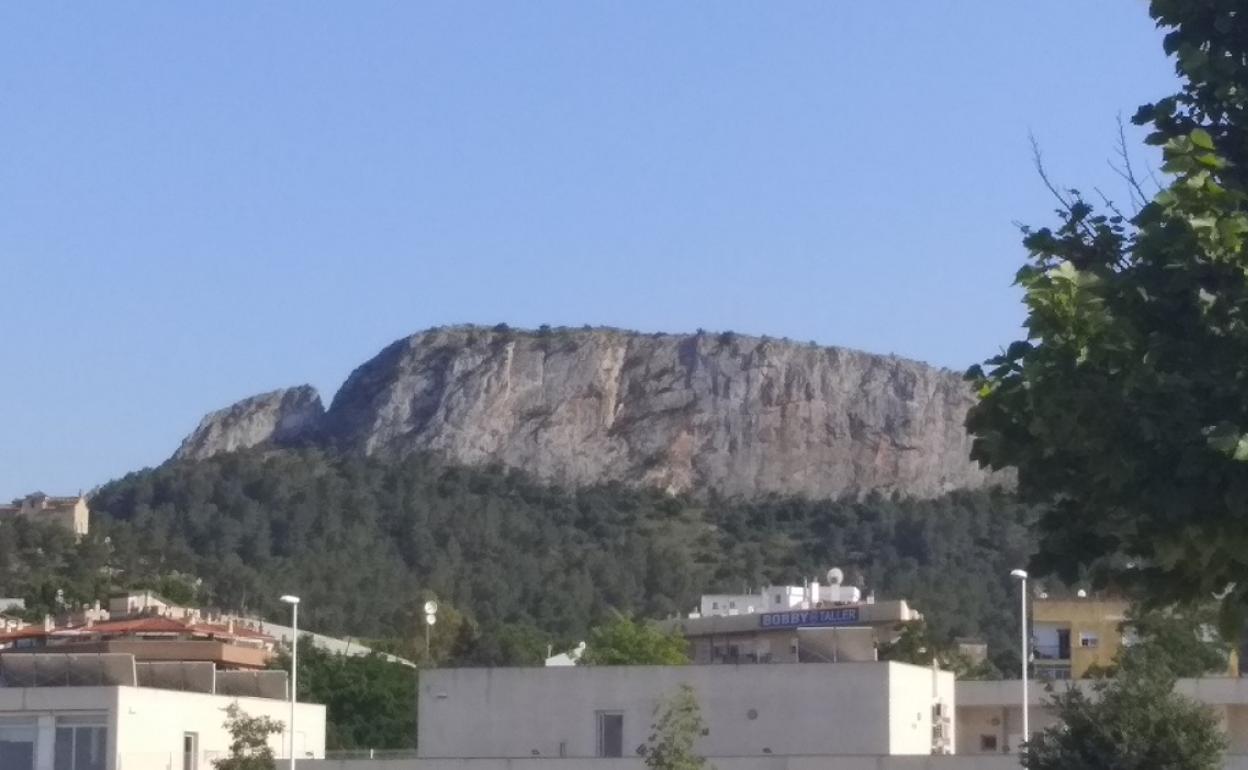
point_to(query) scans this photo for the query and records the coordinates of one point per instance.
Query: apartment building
(1070, 637)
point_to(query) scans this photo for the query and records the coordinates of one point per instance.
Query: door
(190, 751)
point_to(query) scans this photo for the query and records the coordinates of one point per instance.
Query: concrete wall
(751, 710)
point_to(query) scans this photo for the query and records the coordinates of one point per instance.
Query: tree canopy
(1124, 409)
(626, 642)
(1134, 721)
(249, 741)
(677, 726)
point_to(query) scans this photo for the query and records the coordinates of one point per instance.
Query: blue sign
(836, 616)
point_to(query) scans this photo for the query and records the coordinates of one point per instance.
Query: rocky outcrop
(280, 418)
(741, 415)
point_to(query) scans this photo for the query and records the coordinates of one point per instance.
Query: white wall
(912, 691)
(146, 725)
(809, 708)
(151, 724)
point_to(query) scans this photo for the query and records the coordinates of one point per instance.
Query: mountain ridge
(737, 414)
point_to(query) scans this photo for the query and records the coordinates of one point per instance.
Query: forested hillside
(521, 564)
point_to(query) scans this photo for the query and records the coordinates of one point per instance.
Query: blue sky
(203, 201)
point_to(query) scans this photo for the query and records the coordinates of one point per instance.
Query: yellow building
(1070, 636)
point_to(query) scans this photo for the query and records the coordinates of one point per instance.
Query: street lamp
(1021, 576)
(293, 601)
(431, 617)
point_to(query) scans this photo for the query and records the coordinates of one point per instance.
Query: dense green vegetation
(369, 703)
(1124, 409)
(626, 642)
(517, 565)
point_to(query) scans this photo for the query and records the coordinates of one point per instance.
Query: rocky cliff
(741, 415)
(282, 417)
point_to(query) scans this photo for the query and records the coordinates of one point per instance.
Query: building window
(1088, 639)
(714, 605)
(17, 744)
(610, 734)
(988, 743)
(190, 751)
(779, 599)
(81, 744)
(732, 605)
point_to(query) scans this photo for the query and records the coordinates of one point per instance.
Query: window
(732, 605)
(988, 743)
(81, 743)
(17, 744)
(779, 599)
(1088, 639)
(714, 605)
(610, 734)
(190, 751)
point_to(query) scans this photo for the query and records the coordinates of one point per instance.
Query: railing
(371, 754)
(1049, 652)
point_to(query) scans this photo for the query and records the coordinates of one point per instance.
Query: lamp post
(1021, 576)
(431, 617)
(293, 601)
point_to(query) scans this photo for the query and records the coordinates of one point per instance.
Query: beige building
(989, 714)
(762, 712)
(69, 512)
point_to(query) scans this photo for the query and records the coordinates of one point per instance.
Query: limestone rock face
(739, 415)
(280, 418)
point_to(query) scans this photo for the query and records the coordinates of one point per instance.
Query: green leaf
(1201, 138)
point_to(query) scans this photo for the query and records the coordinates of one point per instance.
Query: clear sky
(202, 201)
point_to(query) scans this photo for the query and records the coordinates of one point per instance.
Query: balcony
(1043, 652)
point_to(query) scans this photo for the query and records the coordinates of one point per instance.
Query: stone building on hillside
(69, 512)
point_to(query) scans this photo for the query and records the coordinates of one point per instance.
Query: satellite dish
(835, 577)
(1082, 594)
(431, 607)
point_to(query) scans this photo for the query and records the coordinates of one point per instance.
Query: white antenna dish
(1082, 594)
(835, 577)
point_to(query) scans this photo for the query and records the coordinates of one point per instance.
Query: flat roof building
(829, 634)
(820, 621)
(92, 712)
(750, 711)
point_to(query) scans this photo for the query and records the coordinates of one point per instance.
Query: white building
(127, 727)
(751, 711)
(812, 595)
